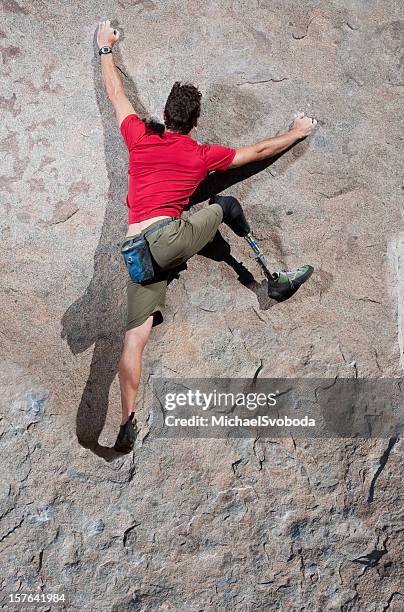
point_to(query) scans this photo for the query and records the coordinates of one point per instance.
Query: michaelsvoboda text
(237, 421)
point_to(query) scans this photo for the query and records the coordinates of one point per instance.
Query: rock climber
(165, 167)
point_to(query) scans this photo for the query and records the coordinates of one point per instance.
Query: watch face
(105, 50)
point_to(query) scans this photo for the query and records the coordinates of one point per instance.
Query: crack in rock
(382, 464)
(272, 80)
(11, 530)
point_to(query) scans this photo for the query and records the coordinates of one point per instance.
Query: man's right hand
(303, 125)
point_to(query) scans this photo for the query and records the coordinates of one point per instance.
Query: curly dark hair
(182, 108)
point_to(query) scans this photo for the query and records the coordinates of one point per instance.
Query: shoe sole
(286, 292)
(123, 449)
(128, 446)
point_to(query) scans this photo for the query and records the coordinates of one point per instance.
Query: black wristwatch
(104, 50)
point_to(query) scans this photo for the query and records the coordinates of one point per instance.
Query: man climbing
(164, 170)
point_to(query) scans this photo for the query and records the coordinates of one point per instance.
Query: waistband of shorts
(149, 227)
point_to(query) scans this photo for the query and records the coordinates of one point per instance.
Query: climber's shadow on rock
(97, 317)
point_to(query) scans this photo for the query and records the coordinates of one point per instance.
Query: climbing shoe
(233, 214)
(127, 436)
(284, 284)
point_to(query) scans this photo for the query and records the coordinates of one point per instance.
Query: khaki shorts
(171, 246)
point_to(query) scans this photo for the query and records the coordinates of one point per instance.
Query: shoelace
(291, 277)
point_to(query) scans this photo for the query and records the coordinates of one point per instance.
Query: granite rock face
(236, 524)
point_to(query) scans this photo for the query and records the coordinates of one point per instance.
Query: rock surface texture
(198, 525)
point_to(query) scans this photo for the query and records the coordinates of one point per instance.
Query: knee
(136, 338)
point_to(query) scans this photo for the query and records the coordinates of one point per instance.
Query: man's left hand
(106, 35)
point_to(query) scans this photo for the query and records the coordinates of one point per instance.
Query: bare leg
(130, 365)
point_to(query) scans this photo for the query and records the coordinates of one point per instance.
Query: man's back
(164, 170)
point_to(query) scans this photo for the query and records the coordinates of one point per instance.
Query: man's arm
(301, 127)
(107, 37)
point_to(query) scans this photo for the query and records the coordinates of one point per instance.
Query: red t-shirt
(165, 170)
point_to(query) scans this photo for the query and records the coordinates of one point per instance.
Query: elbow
(247, 155)
(114, 92)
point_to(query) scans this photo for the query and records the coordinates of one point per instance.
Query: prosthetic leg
(259, 256)
(281, 285)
